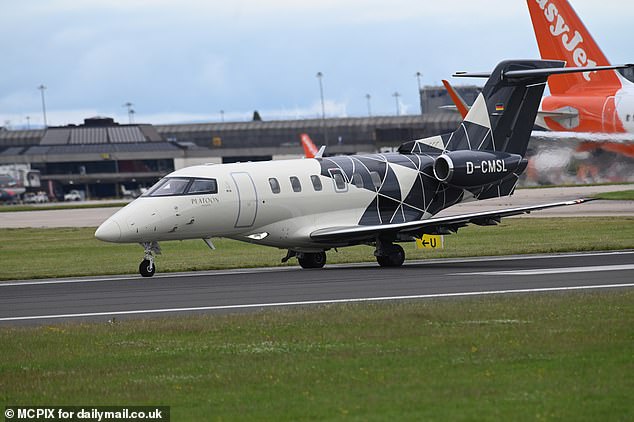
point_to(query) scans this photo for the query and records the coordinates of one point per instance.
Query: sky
(185, 61)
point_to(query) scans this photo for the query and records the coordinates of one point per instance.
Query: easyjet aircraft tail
(562, 36)
(310, 150)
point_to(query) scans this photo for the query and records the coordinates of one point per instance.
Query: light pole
(129, 105)
(222, 116)
(418, 76)
(42, 88)
(28, 122)
(323, 106)
(368, 97)
(396, 95)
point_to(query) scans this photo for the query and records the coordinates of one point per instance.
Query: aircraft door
(247, 199)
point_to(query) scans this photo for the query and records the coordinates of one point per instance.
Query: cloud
(188, 59)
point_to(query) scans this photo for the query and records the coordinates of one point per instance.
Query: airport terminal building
(100, 156)
(105, 159)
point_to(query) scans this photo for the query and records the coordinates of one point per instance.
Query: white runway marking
(563, 270)
(313, 302)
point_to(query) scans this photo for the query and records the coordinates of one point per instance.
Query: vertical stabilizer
(310, 150)
(459, 102)
(501, 118)
(562, 36)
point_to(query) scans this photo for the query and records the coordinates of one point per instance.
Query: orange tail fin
(459, 102)
(562, 36)
(310, 150)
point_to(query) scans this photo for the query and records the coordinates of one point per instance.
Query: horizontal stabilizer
(513, 74)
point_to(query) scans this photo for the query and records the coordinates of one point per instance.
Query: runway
(99, 299)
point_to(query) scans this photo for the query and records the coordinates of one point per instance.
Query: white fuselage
(625, 106)
(245, 207)
(593, 112)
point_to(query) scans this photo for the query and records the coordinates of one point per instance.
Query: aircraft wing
(440, 225)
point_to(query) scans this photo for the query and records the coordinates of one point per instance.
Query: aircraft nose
(109, 231)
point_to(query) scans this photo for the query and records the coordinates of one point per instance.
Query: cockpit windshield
(172, 186)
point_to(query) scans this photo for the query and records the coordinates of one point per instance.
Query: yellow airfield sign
(430, 241)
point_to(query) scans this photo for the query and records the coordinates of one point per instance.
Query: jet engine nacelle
(476, 168)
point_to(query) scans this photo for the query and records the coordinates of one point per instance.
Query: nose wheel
(147, 268)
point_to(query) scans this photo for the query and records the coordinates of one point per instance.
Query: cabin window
(202, 186)
(376, 179)
(275, 185)
(297, 187)
(357, 180)
(316, 182)
(169, 187)
(340, 182)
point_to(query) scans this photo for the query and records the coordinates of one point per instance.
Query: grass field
(41, 253)
(561, 356)
(61, 206)
(623, 195)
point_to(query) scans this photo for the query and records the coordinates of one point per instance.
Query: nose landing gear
(147, 267)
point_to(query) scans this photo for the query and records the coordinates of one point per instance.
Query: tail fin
(460, 103)
(310, 150)
(501, 118)
(562, 36)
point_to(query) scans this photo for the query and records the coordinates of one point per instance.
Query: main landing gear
(307, 259)
(389, 255)
(312, 260)
(147, 268)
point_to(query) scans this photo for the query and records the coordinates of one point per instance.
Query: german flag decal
(499, 107)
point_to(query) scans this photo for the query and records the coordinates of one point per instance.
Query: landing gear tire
(394, 259)
(147, 268)
(312, 260)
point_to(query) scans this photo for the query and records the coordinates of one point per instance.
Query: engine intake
(476, 168)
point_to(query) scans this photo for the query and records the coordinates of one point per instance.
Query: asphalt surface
(100, 299)
(93, 217)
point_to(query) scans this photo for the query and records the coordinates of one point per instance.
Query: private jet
(309, 206)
